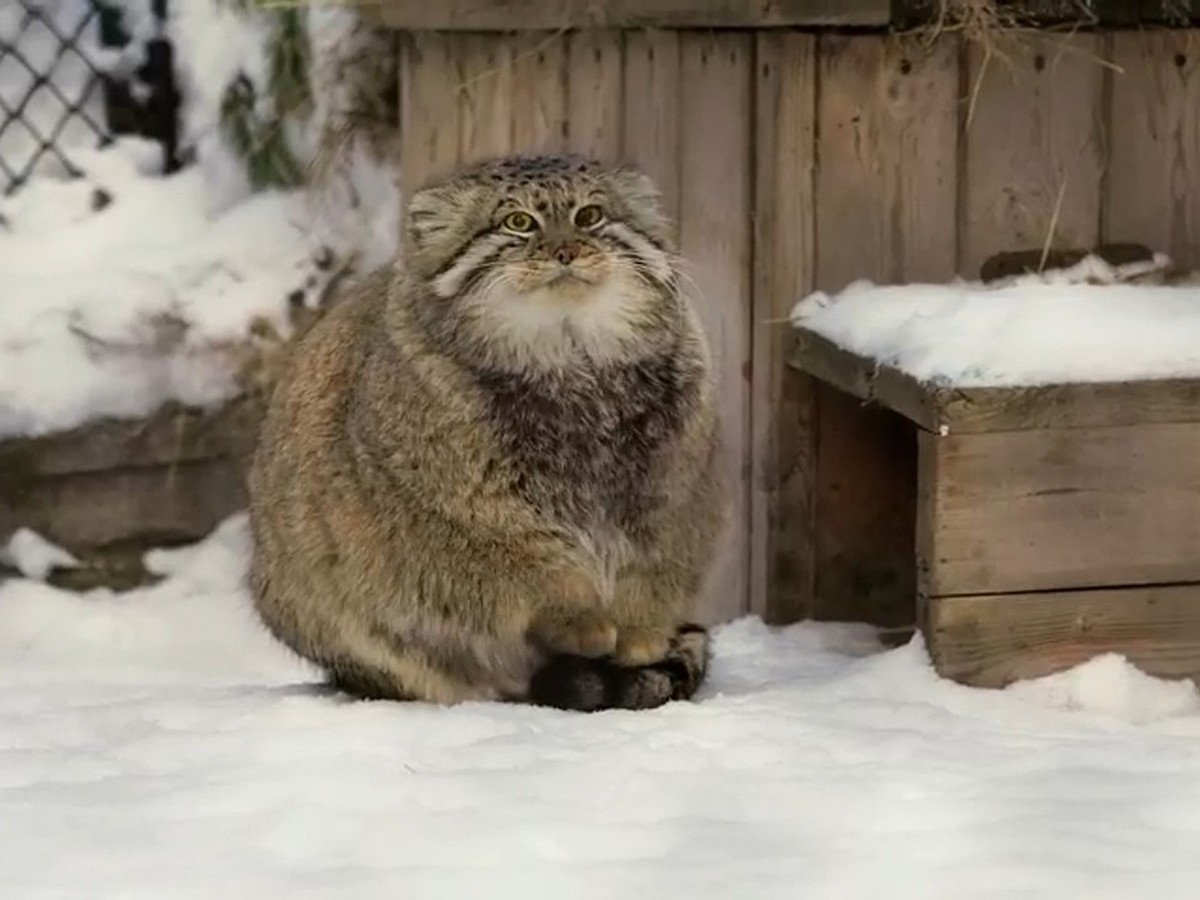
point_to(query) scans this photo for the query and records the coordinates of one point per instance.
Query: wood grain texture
(993, 640)
(651, 90)
(783, 400)
(1060, 509)
(595, 92)
(505, 15)
(1154, 170)
(1067, 406)
(885, 201)
(431, 74)
(485, 95)
(888, 145)
(1033, 144)
(715, 238)
(172, 434)
(147, 505)
(539, 95)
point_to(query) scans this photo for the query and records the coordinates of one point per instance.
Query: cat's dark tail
(588, 685)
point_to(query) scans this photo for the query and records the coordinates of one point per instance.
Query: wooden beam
(716, 238)
(143, 506)
(975, 409)
(783, 401)
(996, 639)
(553, 15)
(171, 435)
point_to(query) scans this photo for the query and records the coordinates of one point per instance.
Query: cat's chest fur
(581, 444)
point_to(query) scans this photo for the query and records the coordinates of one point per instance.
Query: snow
(124, 289)
(1027, 331)
(90, 295)
(158, 743)
(34, 556)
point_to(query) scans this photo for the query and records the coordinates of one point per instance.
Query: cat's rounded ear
(642, 200)
(438, 214)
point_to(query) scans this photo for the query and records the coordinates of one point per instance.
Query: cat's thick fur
(494, 473)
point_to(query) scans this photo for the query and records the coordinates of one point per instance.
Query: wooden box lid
(945, 409)
(971, 358)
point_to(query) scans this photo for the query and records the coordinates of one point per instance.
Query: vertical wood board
(885, 209)
(539, 98)
(1153, 179)
(485, 108)
(1034, 147)
(887, 182)
(783, 451)
(595, 85)
(715, 238)
(430, 75)
(651, 126)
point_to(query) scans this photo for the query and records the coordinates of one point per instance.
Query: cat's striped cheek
(463, 268)
(647, 253)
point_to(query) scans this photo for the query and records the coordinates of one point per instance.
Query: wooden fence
(796, 160)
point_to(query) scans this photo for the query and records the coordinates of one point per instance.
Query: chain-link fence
(72, 75)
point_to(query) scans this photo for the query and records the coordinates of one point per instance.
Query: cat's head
(543, 259)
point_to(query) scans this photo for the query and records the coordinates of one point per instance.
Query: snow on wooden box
(1056, 505)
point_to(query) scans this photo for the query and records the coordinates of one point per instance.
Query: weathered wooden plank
(1068, 406)
(594, 94)
(783, 410)
(173, 434)
(506, 15)
(715, 237)
(992, 640)
(430, 79)
(651, 87)
(539, 96)
(886, 188)
(1034, 147)
(485, 95)
(980, 409)
(147, 505)
(1154, 168)
(1057, 509)
(885, 209)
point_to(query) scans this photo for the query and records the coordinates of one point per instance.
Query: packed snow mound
(1110, 685)
(113, 307)
(159, 743)
(1028, 332)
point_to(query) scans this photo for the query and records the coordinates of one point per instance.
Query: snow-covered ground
(159, 744)
(1031, 330)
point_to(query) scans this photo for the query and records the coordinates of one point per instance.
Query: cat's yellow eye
(589, 216)
(520, 222)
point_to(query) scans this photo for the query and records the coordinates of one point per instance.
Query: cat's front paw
(578, 632)
(637, 646)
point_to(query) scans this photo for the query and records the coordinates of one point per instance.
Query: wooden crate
(111, 489)
(1049, 524)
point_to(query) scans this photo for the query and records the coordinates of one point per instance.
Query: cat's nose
(565, 254)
